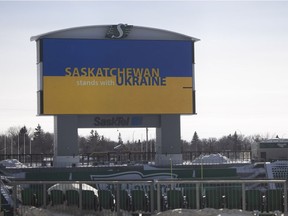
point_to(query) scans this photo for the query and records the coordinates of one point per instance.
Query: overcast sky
(241, 60)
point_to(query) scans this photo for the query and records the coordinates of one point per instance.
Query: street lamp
(5, 147)
(30, 144)
(11, 146)
(18, 147)
(24, 146)
(147, 145)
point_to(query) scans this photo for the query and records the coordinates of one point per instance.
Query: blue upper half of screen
(173, 58)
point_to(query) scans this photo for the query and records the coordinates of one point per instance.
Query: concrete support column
(66, 150)
(168, 145)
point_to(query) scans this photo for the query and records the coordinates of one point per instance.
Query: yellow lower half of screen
(77, 95)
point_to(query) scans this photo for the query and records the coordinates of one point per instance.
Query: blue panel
(173, 58)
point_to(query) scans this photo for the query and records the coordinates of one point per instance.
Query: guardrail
(149, 196)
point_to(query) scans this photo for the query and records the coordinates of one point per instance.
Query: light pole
(24, 147)
(18, 147)
(30, 144)
(5, 152)
(11, 150)
(147, 145)
(141, 148)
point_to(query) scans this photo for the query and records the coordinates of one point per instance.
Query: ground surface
(182, 212)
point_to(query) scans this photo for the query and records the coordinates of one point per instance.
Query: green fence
(149, 196)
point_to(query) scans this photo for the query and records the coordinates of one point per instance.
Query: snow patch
(211, 159)
(205, 212)
(12, 163)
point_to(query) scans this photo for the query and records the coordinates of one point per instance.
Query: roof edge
(100, 31)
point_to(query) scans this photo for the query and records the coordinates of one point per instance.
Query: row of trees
(230, 142)
(22, 140)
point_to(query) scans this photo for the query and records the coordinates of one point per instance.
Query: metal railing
(149, 196)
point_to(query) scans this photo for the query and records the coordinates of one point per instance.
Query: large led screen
(87, 76)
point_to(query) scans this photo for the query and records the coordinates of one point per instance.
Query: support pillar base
(66, 161)
(168, 159)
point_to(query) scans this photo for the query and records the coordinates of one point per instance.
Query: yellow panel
(86, 95)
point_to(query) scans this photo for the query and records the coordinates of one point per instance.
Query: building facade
(272, 150)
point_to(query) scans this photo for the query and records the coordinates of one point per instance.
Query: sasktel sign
(116, 73)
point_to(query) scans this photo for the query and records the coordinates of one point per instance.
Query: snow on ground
(211, 159)
(181, 212)
(205, 212)
(12, 163)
